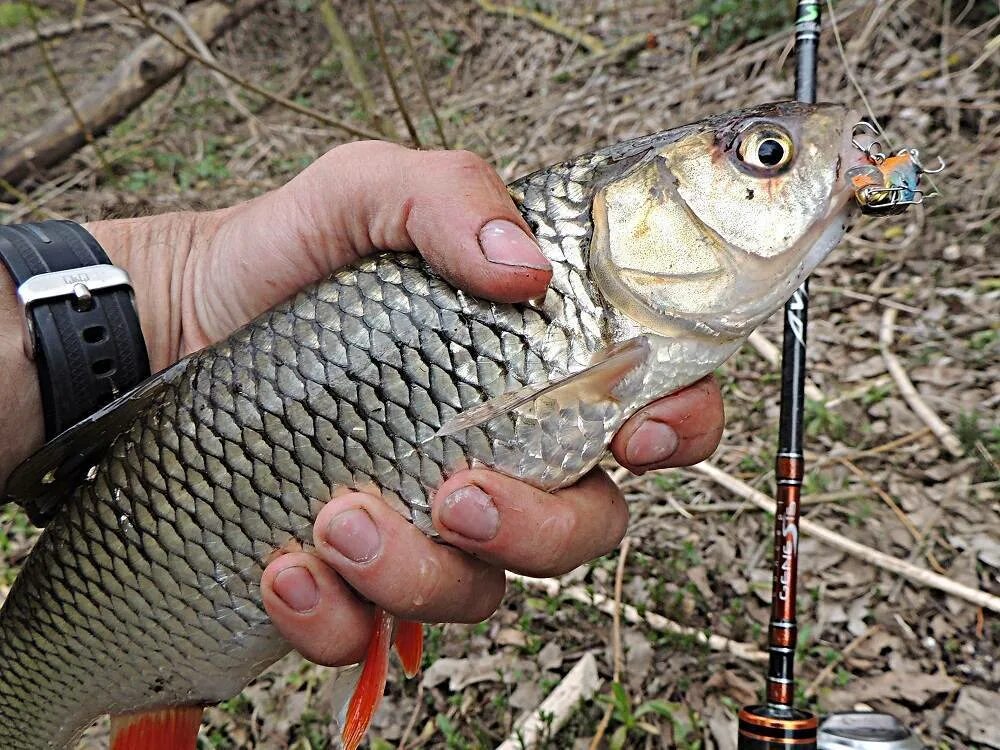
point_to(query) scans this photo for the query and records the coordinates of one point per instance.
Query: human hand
(201, 277)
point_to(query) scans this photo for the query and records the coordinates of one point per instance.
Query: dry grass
(523, 95)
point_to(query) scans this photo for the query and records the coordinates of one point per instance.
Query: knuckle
(467, 163)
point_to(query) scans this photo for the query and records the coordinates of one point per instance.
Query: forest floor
(523, 95)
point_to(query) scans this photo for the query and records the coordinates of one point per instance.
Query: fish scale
(144, 590)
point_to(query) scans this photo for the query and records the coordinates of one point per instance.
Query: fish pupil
(770, 152)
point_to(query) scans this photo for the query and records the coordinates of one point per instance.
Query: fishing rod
(777, 724)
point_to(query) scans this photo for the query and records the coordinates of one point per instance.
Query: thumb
(451, 206)
(357, 199)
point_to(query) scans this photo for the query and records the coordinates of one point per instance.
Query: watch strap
(81, 324)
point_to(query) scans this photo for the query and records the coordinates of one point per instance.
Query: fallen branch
(880, 559)
(59, 30)
(425, 91)
(907, 390)
(656, 621)
(828, 670)
(579, 684)
(132, 81)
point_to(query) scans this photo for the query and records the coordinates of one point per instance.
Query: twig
(909, 393)
(772, 356)
(616, 643)
(421, 79)
(418, 704)
(81, 125)
(917, 535)
(825, 673)
(249, 85)
(882, 448)
(26, 200)
(344, 47)
(387, 67)
(579, 684)
(915, 573)
(549, 23)
(988, 457)
(656, 621)
(58, 30)
(199, 44)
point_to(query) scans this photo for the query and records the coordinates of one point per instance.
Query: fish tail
(410, 645)
(163, 729)
(371, 685)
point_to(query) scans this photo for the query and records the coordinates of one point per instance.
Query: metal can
(865, 730)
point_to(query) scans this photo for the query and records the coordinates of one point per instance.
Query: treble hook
(874, 149)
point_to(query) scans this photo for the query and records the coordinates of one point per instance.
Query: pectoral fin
(44, 480)
(595, 382)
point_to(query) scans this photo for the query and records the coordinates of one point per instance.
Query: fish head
(714, 227)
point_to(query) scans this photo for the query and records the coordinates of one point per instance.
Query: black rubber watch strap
(88, 346)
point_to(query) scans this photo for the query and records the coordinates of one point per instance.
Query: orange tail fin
(371, 685)
(166, 729)
(410, 645)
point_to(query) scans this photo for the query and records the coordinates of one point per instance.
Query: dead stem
(387, 68)
(43, 48)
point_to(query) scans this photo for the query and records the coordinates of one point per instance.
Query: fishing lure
(889, 183)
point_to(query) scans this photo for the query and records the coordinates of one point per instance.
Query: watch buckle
(77, 283)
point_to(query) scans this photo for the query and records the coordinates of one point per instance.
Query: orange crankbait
(890, 183)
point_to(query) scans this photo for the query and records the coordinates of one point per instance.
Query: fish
(142, 596)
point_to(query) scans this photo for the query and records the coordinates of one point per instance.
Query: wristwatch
(80, 323)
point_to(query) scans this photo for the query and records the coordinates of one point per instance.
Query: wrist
(155, 251)
(21, 400)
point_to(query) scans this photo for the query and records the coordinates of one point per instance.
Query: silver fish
(667, 251)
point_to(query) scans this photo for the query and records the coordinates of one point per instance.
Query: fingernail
(504, 242)
(354, 535)
(296, 587)
(470, 512)
(651, 443)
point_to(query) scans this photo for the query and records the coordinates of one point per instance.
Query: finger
(450, 205)
(389, 561)
(315, 610)
(679, 430)
(516, 526)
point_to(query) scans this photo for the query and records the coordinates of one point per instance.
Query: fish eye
(766, 148)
